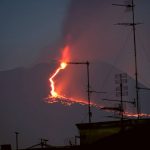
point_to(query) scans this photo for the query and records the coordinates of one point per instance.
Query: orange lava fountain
(55, 96)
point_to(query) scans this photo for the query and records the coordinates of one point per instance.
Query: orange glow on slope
(128, 114)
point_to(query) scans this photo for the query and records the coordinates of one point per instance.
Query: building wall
(89, 136)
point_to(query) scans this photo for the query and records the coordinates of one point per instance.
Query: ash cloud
(89, 27)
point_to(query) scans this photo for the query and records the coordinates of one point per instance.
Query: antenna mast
(133, 24)
(135, 55)
(88, 86)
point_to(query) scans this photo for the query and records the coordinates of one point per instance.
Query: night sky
(27, 29)
(32, 34)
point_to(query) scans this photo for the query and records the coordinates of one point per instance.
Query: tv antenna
(131, 6)
(42, 144)
(121, 91)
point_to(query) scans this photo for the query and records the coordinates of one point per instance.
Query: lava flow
(55, 96)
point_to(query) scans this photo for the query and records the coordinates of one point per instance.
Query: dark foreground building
(115, 135)
(128, 134)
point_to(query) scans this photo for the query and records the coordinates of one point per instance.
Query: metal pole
(16, 140)
(135, 55)
(121, 98)
(88, 90)
(88, 85)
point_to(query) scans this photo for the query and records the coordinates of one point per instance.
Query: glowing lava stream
(54, 94)
(55, 97)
